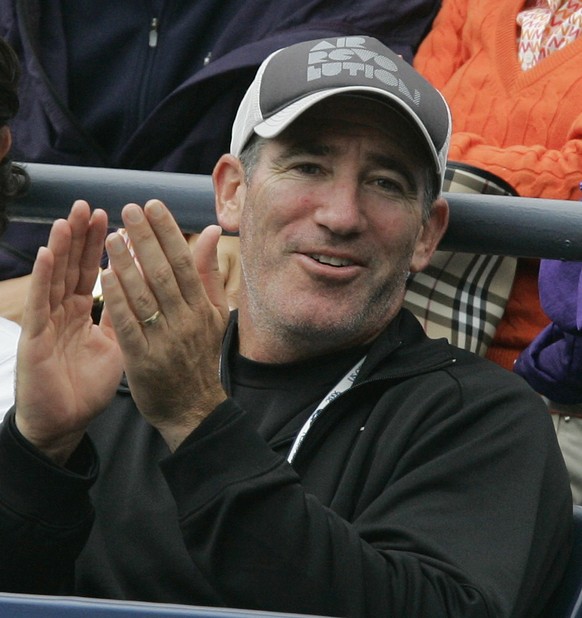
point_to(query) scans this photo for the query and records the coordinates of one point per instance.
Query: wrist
(57, 449)
(176, 432)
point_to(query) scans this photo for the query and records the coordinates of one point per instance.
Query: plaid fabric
(462, 296)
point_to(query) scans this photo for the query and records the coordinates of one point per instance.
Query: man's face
(330, 223)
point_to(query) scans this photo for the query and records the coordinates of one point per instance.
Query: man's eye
(308, 168)
(388, 184)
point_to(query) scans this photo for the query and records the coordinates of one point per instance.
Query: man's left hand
(169, 314)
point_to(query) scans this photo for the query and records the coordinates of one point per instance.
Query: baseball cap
(294, 78)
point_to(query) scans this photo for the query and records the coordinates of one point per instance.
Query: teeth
(332, 261)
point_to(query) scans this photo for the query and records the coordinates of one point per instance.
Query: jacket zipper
(148, 69)
(153, 36)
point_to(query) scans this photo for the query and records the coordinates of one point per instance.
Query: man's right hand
(68, 368)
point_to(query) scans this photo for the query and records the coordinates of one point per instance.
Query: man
(316, 453)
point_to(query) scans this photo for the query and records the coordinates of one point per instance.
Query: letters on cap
(294, 78)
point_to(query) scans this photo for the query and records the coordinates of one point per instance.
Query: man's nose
(339, 208)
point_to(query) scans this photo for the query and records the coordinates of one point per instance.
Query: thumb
(206, 261)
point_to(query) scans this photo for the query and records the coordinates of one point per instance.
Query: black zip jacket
(434, 487)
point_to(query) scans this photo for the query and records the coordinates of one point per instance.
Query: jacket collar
(401, 350)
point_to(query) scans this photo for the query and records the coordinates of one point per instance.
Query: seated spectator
(552, 363)
(155, 86)
(314, 452)
(13, 179)
(510, 71)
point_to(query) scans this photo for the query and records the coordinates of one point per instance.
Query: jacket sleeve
(422, 543)
(45, 514)
(552, 363)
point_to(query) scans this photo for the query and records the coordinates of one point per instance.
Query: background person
(13, 180)
(155, 86)
(511, 73)
(552, 363)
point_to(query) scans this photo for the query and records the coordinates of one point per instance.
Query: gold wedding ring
(152, 319)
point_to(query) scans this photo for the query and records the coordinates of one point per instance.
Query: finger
(37, 306)
(232, 287)
(191, 240)
(78, 221)
(207, 265)
(59, 244)
(105, 319)
(170, 268)
(137, 294)
(119, 315)
(90, 260)
(229, 262)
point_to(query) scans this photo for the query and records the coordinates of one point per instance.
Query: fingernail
(133, 214)
(154, 209)
(115, 244)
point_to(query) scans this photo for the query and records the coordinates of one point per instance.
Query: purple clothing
(157, 87)
(552, 363)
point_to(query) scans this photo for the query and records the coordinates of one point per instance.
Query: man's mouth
(331, 261)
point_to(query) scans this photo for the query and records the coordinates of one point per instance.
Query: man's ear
(229, 190)
(5, 141)
(430, 235)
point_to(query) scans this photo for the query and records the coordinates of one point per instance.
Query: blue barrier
(38, 606)
(486, 224)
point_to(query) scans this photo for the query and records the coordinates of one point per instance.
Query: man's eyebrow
(307, 147)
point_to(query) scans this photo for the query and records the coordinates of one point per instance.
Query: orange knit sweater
(526, 127)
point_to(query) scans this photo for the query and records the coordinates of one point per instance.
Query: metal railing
(487, 224)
